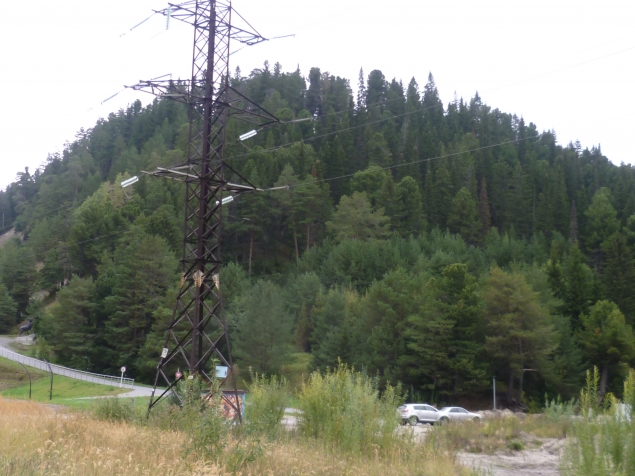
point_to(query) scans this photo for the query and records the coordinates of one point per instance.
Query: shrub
(516, 446)
(267, 400)
(556, 410)
(114, 409)
(602, 441)
(345, 409)
(202, 419)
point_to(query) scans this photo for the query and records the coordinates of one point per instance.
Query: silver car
(414, 413)
(456, 414)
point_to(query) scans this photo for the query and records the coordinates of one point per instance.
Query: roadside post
(123, 370)
(494, 384)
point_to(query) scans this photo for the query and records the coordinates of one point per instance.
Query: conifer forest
(433, 245)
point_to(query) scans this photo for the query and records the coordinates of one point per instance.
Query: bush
(267, 400)
(556, 410)
(602, 441)
(202, 419)
(114, 409)
(344, 408)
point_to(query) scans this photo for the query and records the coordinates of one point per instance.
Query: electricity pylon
(198, 330)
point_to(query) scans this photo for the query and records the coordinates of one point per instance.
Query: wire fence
(66, 372)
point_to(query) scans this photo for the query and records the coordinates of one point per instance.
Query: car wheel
(476, 419)
(444, 420)
(412, 420)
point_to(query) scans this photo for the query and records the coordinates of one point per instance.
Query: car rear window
(402, 407)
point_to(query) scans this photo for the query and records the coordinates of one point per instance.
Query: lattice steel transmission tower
(198, 330)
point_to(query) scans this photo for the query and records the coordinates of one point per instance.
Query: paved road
(137, 390)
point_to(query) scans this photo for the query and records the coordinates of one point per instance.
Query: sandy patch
(544, 461)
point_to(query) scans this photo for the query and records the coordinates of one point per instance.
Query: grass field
(39, 439)
(14, 383)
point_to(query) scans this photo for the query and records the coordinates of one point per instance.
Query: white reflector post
(249, 134)
(130, 181)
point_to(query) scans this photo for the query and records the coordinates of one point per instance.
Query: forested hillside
(433, 245)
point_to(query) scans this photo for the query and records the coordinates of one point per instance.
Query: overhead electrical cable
(429, 159)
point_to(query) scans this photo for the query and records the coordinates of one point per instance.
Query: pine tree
(607, 340)
(518, 328)
(355, 219)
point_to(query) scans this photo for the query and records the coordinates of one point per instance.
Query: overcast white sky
(564, 65)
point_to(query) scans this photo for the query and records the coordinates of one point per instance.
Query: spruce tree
(463, 217)
(573, 225)
(409, 217)
(263, 337)
(483, 210)
(619, 275)
(143, 269)
(601, 219)
(578, 286)
(443, 195)
(70, 325)
(8, 311)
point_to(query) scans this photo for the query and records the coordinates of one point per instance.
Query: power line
(77, 243)
(34, 217)
(512, 141)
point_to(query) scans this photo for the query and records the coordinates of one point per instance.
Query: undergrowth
(603, 439)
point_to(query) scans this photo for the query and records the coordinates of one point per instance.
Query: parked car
(414, 413)
(456, 414)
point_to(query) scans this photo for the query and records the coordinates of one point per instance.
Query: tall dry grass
(40, 439)
(37, 439)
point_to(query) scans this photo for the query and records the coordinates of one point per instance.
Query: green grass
(15, 384)
(13, 374)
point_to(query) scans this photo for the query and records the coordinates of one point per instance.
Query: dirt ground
(544, 461)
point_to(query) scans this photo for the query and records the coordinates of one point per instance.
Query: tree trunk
(510, 388)
(297, 251)
(604, 380)
(251, 248)
(308, 236)
(519, 394)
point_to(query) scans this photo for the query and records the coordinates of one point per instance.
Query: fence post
(27, 372)
(51, 372)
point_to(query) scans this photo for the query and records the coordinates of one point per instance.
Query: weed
(113, 409)
(602, 442)
(516, 446)
(267, 401)
(344, 408)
